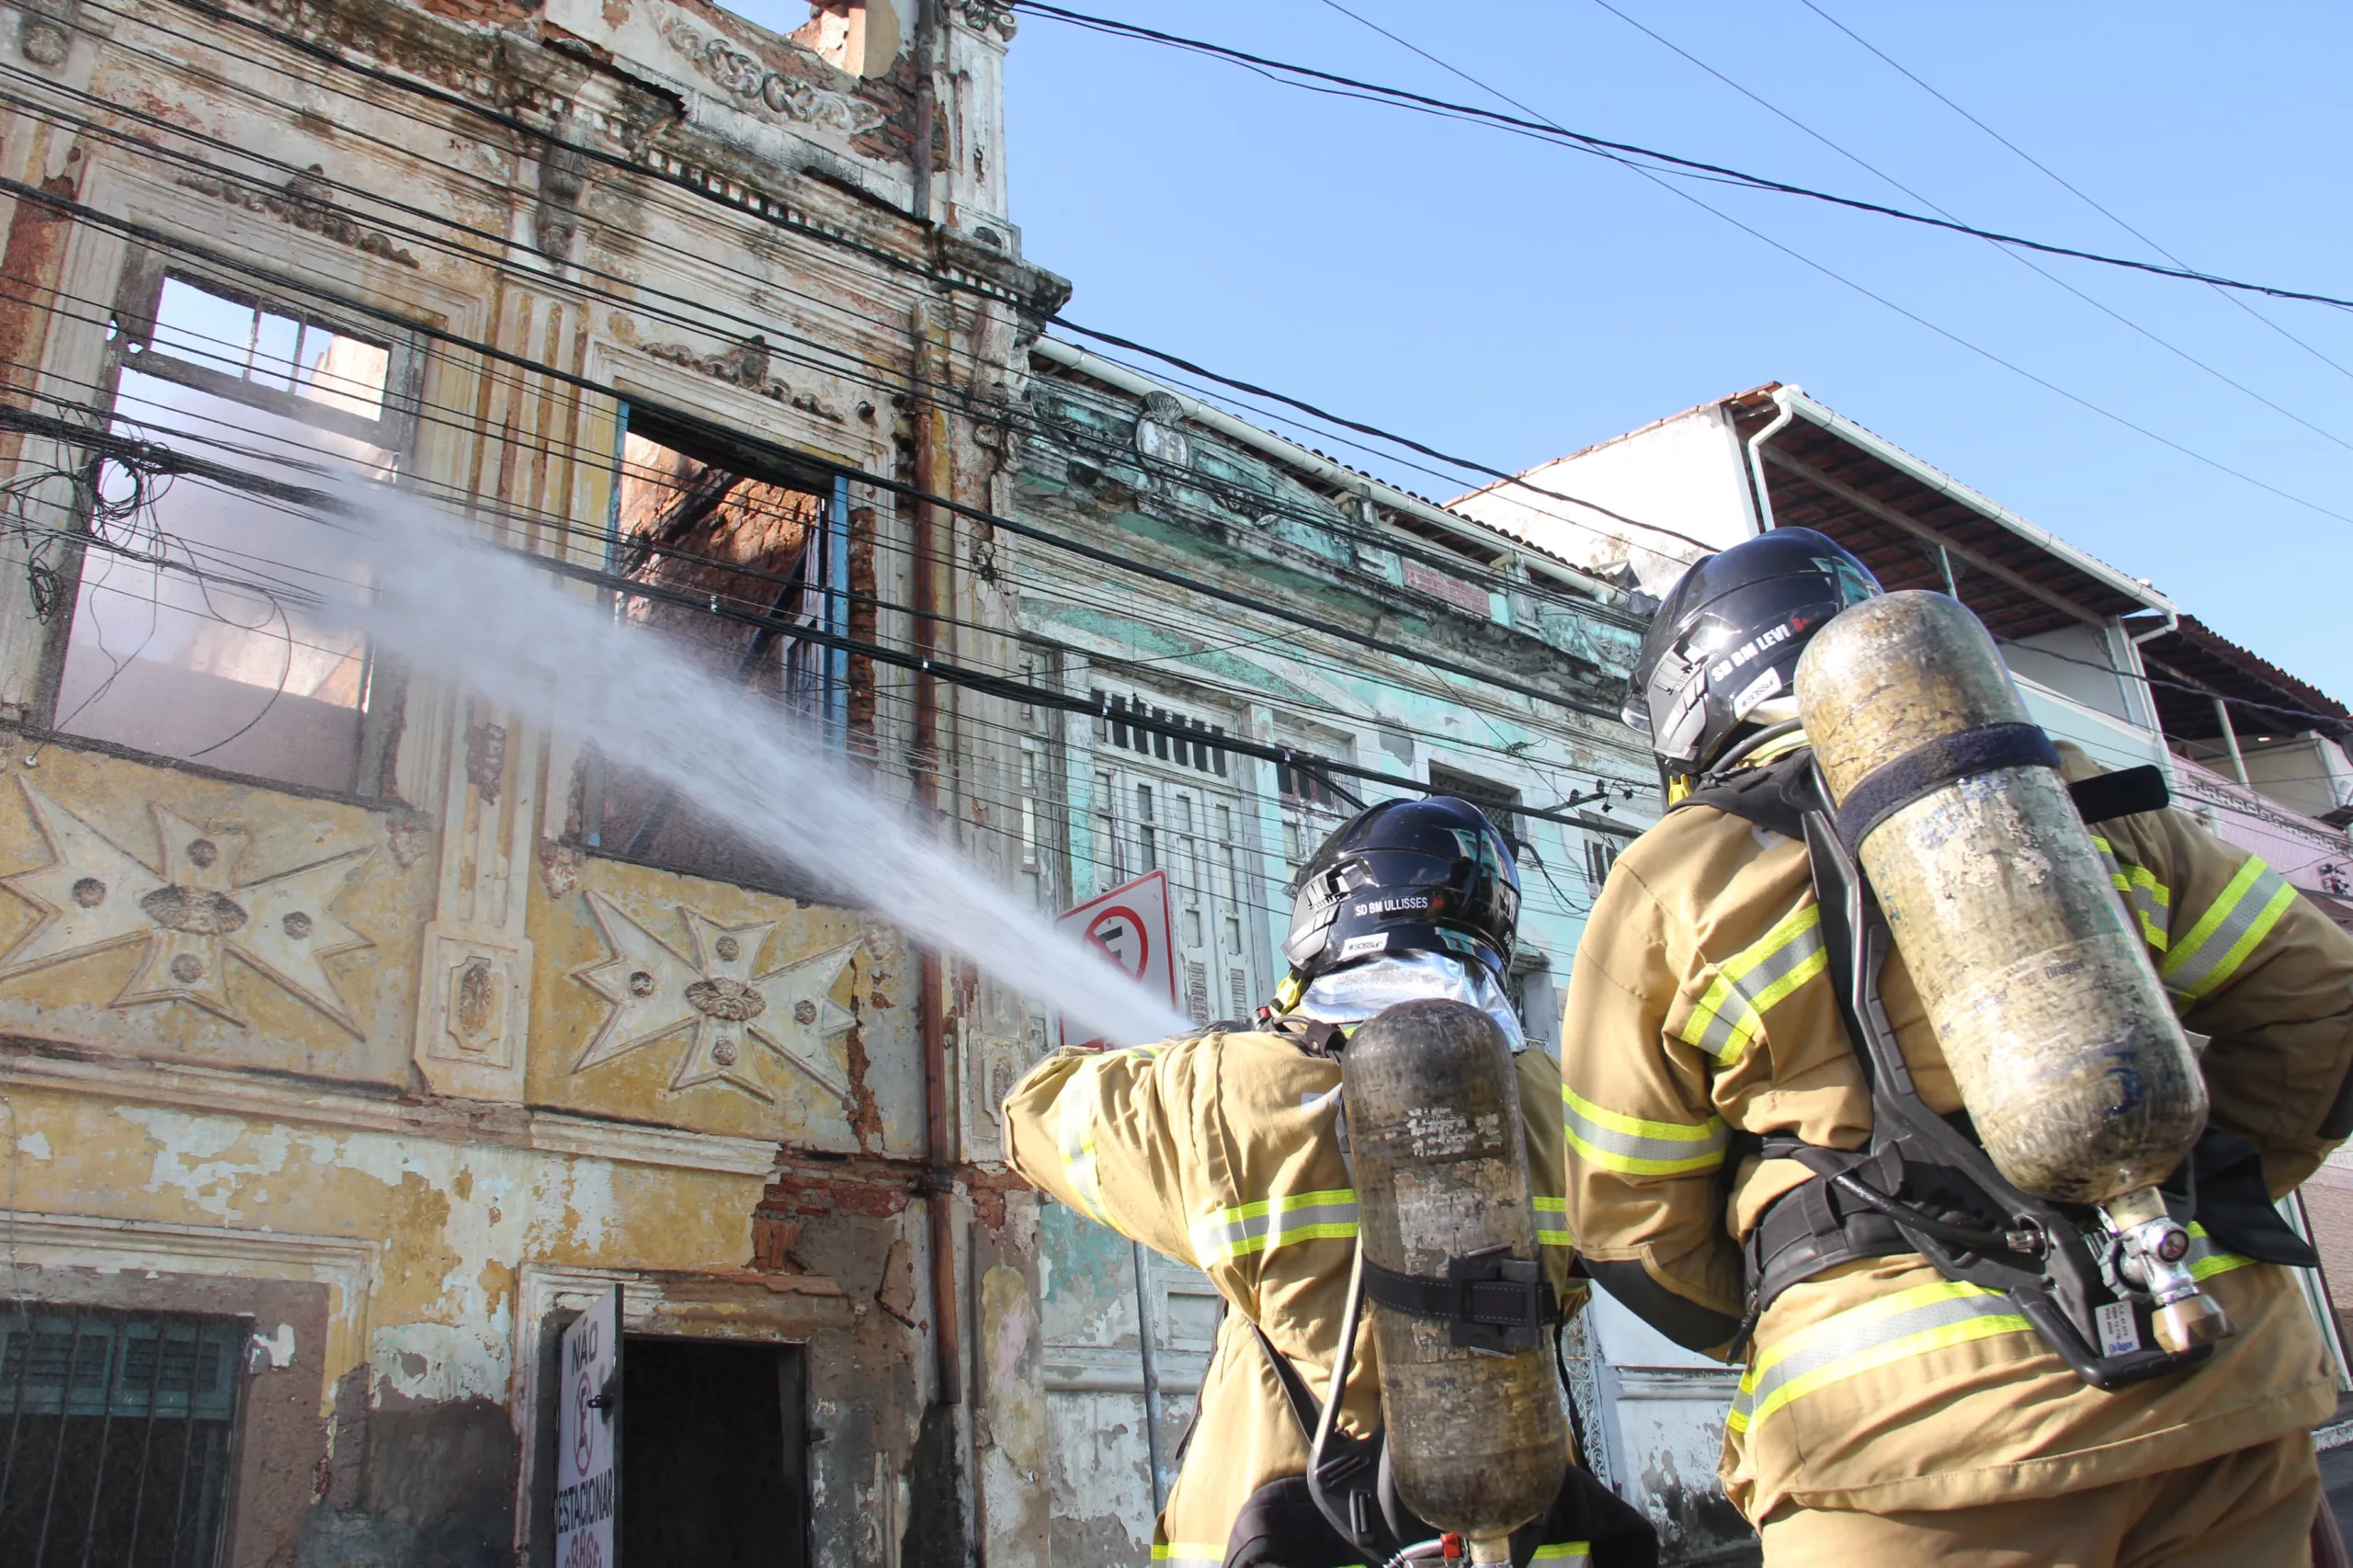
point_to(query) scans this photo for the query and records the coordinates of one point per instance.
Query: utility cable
(810, 230)
(2066, 184)
(1660, 180)
(2024, 261)
(1550, 131)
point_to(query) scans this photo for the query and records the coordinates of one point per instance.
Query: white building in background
(2102, 658)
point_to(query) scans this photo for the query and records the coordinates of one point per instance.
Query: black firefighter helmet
(1722, 655)
(1430, 876)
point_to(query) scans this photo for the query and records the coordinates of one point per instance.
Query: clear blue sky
(1513, 302)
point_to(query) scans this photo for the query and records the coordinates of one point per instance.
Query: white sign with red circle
(1128, 926)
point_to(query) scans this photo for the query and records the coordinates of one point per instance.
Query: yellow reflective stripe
(1275, 1221)
(1564, 1551)
(1731, 1011)
(1075, 1138)
(1553, 1222)
(2205, 960)
(1635, 1147)
(2206, 1260)
(1188, 1554)
(2150, 900)
(1876, 1333)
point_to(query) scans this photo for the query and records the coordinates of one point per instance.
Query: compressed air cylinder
(2066, 1055)
(1478, 1440)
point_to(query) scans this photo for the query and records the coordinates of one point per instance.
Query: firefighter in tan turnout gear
(1228, 1151)
(1734, 1181)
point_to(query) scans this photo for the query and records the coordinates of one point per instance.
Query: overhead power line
(1660, 179)
(691, 187)
(1545, 131)
(2027, 262)
(2062, 182)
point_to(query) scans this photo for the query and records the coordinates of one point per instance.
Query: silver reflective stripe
(1908, 1324)
(1732, 1010)
(1074, 1139)
(2149, 899)
(1553, 1222)
(2213, 948)
(1273, 1223)
(1633, 1146)
(2205, 1260)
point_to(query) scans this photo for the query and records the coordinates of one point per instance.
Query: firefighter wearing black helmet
(1724, 1149)
(1226, 1150)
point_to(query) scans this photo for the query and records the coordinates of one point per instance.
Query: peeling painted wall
(409, 1075)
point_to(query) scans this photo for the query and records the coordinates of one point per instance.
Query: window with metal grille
(1138, 726)
(117, 1430)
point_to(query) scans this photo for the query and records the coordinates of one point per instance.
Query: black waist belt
(1493, 1301)
(1811, 1228)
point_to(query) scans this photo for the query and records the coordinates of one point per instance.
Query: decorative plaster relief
(1160, 432)
(759, 90)
(94, 895)
(306, 203)
(988, 15)
(45, 32)
(656, 994)
(747, 366)
(477, 1003)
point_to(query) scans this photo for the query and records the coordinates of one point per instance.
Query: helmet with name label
(1429, 876)
(1721, 657)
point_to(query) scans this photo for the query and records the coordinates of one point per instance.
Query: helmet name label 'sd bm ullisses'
(1431, 876)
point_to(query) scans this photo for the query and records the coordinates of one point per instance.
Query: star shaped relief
(657, 995)
(191, 916)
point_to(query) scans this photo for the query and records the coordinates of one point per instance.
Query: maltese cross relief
(714, 1003)
(191, 916)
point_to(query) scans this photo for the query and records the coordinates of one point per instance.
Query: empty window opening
(714, 1454)
(117, 1434)
(205, 625)
(733, 556)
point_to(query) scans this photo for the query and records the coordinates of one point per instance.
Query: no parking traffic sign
(1128, 926)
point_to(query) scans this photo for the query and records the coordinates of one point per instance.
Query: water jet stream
(485, 618)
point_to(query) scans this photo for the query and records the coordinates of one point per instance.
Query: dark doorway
(714, 1455)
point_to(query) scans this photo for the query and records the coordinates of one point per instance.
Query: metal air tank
(1477, 1433)
(2043, 999)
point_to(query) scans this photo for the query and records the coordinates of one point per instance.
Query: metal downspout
(1785, 411)
(2230, 739)
(933, 466)
(1151, 1369)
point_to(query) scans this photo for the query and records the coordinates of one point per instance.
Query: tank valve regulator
(2156, 1256)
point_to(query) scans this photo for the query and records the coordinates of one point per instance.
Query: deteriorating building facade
(357, 1033)
(1319, 641)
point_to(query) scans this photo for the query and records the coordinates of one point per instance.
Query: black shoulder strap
(1304, 1404)
(1779, 794)
(1776, 796)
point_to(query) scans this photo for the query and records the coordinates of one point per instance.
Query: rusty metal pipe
(933, 463)
(939, 1188)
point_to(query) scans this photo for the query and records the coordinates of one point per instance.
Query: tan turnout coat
(1699, 1009)
(1221, 1152)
